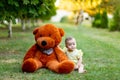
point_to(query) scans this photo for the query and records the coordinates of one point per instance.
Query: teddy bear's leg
(65, 66)
(53, 65)
(31, 65)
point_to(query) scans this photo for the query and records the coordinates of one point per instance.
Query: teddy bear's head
(48, 36)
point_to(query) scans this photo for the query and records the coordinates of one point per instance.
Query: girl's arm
(80, 61)
(80, 54)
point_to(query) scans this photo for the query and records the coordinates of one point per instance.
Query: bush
(115, 26)
(104, 20)
(112, 26)
(97, 21)
(64, 19)
(101, 20)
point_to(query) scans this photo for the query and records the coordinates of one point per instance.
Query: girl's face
(71, 45)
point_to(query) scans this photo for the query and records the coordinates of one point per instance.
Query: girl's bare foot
(82, 71)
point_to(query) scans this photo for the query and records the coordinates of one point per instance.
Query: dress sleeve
(80, 53)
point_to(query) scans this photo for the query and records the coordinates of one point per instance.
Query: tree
(35, 9)
(77, 5)
(26, 9)
(89, 6)
(7, 13)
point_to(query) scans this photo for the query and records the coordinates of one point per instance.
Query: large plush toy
(45, 53)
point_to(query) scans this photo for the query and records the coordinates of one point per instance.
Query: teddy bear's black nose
(43, 43)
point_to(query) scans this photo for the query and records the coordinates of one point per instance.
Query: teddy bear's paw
(66, 67)
(29, 65)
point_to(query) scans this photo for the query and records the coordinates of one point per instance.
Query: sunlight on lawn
(9, 61)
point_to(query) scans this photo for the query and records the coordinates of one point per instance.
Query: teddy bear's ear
(35, 31)
(61, 31)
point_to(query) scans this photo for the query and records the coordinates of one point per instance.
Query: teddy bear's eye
(40, 35)
(49, 34)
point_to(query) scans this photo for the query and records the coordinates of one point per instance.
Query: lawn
(101, 54)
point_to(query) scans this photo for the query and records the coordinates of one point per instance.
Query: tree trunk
(10, 29)
(34, 22)
(29, 23)
(79, 18)
(23, 24)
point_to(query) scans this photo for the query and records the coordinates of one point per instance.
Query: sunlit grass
(101, 54)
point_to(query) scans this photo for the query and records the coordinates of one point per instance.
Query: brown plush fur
(46, 37)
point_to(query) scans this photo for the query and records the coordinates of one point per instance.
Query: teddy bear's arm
(60, 54)
(30, 53)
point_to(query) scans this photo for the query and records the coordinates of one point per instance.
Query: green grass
(101, 54)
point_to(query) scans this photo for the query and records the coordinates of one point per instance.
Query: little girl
(74, 54)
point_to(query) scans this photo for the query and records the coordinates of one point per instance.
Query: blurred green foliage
(101, 20)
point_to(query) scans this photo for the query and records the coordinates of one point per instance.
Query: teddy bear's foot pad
(29, 66)
(66, 67)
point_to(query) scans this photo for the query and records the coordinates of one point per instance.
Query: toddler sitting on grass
(74, 54)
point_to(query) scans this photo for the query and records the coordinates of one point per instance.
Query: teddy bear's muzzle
(45, 42)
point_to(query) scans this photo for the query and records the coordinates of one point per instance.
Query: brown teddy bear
(45, 53)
